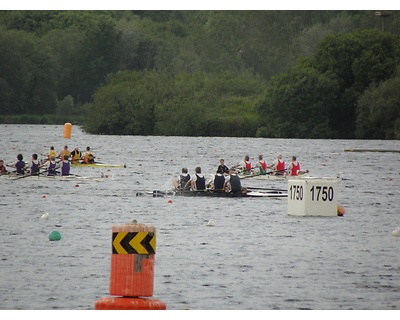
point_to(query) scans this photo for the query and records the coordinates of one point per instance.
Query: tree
(27, 74)
(203, 104)
(297, 105)
(125, 105)
(356, 60)
(67, 46)
(379, 111)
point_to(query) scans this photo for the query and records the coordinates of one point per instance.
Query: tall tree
(379, 111)
(297, 104)
(356, 60)
(27, 74)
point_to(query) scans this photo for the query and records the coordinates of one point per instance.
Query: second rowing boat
(42, 177)
(98, 165)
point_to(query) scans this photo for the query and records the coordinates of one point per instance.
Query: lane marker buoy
(45, 216)
(211, 223)
(396, 232)
(340, 210)
(55, 236)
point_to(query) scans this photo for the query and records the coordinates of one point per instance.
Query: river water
(255, 257)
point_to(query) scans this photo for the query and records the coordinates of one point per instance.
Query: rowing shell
(270, 176)
(217, 193)
(42, 177)
(98, 165)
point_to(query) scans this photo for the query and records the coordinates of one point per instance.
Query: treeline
(300, 74)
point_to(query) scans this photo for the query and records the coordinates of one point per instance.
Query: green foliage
(145, 103)
(126, 104)
(27, 74)
(297, 105)
(209, 105)
(379, 111)
(200, 72)
(356, 60)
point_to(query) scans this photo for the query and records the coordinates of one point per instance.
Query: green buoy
(54, 236)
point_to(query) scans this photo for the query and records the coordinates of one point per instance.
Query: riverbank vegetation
(288, 74)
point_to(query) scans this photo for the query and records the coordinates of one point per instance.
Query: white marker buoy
(211, 223)
(396, 232)
(45, 216)
(310, 196)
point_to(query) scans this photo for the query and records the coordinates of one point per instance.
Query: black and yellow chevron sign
(133, 243)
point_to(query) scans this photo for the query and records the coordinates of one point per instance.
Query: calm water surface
(255, 257)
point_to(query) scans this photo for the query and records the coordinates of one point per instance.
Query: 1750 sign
(318, 193)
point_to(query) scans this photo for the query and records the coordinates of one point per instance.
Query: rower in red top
(261, 165)
(294, 168)
(278, 165)
(244, 166)
(3, 169)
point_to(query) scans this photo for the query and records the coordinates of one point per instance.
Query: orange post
(67, 130)
(132, 269)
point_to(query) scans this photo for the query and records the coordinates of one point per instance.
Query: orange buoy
(67, 130)
(132, 269)
(169, 201)
(132, 260)
(43, 196)
(128, 303)
(340, 211)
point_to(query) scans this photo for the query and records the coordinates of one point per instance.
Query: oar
(261, 174)
(27, 175)
(272, 189)
(56, 172)
(21, 177)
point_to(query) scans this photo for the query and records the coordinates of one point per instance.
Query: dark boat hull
(221, 193)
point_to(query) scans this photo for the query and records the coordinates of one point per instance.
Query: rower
(19, 165)
(261, 165)
(51, 166)
(245, 166)
(3, 169)
(52, 153)
(233, 183)
(198, 181)
(218, 180)
(183, 178)
(65, 166)
(88, 156)
(34, 166)
(222, 168)
(278, 165)
(64, 152)
(76, 155)
(294, 168)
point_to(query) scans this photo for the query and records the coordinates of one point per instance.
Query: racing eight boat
(42, 177)
(267, 193)
(98, 165)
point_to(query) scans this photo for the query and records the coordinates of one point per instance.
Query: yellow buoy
(67, 130)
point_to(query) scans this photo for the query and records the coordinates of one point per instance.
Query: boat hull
(273, 177)
(218, 193)
(98, 165)
(42, 177)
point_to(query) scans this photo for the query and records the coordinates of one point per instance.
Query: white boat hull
(42, 177)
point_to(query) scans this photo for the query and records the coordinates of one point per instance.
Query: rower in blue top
(198, 181)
